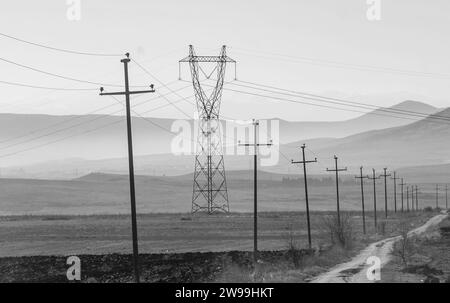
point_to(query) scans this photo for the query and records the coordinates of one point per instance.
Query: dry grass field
(99, 194)
(89, 216)
(201, 245)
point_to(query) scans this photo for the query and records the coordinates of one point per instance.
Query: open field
(427, 258)
(109, 194)
(166, 233)
(104, 243)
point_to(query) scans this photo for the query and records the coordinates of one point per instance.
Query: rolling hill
(420, 143)
(377, 119)
(31, 139)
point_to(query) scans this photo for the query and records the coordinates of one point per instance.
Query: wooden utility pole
(437, 196)
(127, 94)
(407, 198)
(395, 191)
(385, 192)
(255, 145)
(446, 196)
(304, 162)
(337, 170)
(417, 198)
(361, 178)
(374, 196)
(402, 184)
(412, 197)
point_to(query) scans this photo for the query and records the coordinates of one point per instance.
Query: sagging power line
(60, 49)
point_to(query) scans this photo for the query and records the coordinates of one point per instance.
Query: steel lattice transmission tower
(210, 186)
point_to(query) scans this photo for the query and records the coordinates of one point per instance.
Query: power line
(60, 49)
(390, 112)
(55, 124)
(47, 87)
(393, 110)
(74, 118)
(151, 75)
(151, 122)
(78, 134)
(53, 132)
(350, 66)
(62, 76)
(432, 119)
(308, 103)
(78, 124)
(58, 140)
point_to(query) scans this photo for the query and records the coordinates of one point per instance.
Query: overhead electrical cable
(60, 49)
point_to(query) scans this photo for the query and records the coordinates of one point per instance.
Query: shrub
(404, 248)
(340, 232)
(381, 227)
(293, 250)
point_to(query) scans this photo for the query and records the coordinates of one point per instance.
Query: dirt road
(355, 270)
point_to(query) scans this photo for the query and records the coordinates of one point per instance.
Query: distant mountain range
(377, 139)
(420, 143)
(378, 119)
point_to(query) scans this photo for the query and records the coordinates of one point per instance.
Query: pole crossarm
(446, 196)
(304, 162)
(255, 144)
(337, 170)
(127, 94)
(361, 178)
(402, 184)
(195, 58)
(334, 170)
(374, 178)
(130, 93)
(385, 175)
(417, 199)
(395, 178)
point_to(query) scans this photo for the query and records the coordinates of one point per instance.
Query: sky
(324, 47)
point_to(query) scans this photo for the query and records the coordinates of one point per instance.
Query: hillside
(419, 143)
(377, 119)
(31, 139)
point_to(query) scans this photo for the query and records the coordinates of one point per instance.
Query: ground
(99, 194)
(181, 247)
(428, 258)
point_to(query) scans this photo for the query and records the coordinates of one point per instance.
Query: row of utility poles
(410, 189)
(127, 93)
(412, 192)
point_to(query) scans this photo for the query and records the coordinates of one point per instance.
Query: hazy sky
(412, 35)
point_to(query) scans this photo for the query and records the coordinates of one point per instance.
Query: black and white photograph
(225, 150)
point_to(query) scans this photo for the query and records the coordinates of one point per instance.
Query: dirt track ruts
(354, 271)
